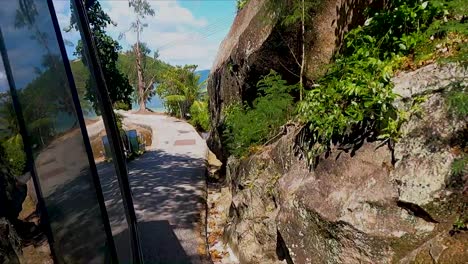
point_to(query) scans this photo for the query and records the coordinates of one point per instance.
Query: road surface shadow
(159, 244)
(167, 187)
(167, 192)
(75, 218)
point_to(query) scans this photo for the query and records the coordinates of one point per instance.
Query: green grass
(458, 103)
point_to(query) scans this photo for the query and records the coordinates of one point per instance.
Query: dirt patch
(37, 253)
(98, 147)
(219, 201)
(145, 133)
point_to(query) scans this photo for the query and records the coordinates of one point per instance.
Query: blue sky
(184, 31)
(25, 53)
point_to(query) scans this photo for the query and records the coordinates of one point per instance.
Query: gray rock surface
(429, 79)
(377, 205)
(425, 153)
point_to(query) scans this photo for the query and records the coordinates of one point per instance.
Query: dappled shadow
(167, 190)
(112, 197)
(350, 14)
(159, 244)
(115, 210)
(164, 187)
(167, 187)
(306, 141)
(76, 220)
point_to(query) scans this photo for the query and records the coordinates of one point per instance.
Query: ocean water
(155, 104)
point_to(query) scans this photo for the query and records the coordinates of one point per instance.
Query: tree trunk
(141, 83)
(180, 110)
(301, 84)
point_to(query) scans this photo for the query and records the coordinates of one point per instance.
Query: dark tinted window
(53, 132)
(103, 158)
(19, 209)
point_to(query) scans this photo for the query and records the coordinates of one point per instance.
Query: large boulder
(378, 204)
(257, 42)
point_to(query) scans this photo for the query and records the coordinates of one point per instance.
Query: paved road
(168, 184)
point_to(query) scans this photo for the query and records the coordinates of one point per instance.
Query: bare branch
(288, 69)
(150, 83)
(290, 50)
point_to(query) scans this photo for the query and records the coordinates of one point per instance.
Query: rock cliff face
(377, 205)
(257, 43)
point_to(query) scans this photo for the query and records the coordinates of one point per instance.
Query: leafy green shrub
(459, 225)
(122, 106)
(14, 154)
(119, 121)
(393, 31)
(247, 126)
(356, 94)
(448, 32)
(179, 89)
(200, 117)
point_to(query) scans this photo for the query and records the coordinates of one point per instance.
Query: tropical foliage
(199, 115)
(152, 69)
(240, 4)
(180, 88)
(108, 48)
(81, 77)
(248, 126)
(10, 137)
(356, 94)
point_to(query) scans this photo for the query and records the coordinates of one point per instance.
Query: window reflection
(19, 211)
(53, 135)
(103, 158)
(102, 154)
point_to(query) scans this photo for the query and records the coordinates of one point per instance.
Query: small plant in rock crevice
(458, 103)
(240, 4)
(460, 224)
(460, 165)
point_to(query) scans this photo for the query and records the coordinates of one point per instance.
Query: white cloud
(180, 37)
(2, 76)
(62, 10)
(61, 5)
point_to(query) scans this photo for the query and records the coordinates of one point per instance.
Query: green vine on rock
(356, 98)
